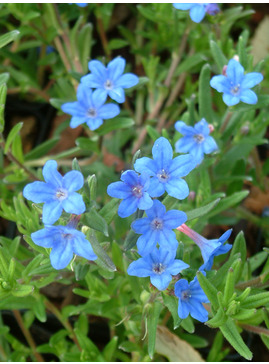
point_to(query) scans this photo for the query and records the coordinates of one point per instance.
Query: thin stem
(102, 33)
(226, 122)
(31, 90)
(255, 282)
(27, 336)
(11, 157)
(64, 322)
(255, 329)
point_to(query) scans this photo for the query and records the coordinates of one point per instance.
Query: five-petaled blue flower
(198, 10)
(133, 190)
(209, 248)
(166, 172)
(196, 140)
(64, 241)
(57, 192)
(110, 80)
(157, 228)
(235, 85)
(191, 299)
(159, 265)
(90, 108)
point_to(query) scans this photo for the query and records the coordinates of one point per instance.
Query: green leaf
(152, 322)
(109, 210)
(84, 45)
(188, 325)
(41, 149)
(205, 100)
(201, 211)
(88, 346)
(110, 349)
(228, 202)
(4, 77)
(16, 148)
(104, 260)
(115, 124)
(152, 132)
(92, 183)
(11, 136)
(117, 43)
(257, 300)
(229, 286)
(218, 55)
(209, 289)
(87, 144)
(8, 37)
(232, 335)
(171, 303)
(3, 94)
(22, 290)
(40, 310)
(95, 221)
(130, 240)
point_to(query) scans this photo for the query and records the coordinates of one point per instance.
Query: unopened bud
(245, 128)
(191, 196)
(236, 57)
(211, 128)
(224, 70)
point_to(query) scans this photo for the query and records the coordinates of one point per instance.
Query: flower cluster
(58, 194)
(90, 107)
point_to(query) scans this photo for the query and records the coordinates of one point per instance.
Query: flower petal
(230, 100)
(251, 79)
(94, 124)
(82, 247)
(117, 94)
(184, 129)
(161, 281)
(73, 181)
(156, 188)
(92, 81)
(157, 210)
(98, 69)
(108, 111)
(209, 145)
(127, 80)
(177, 266)
(61, 254)
(116, 68)
(202, 128)
(249, 97)
(77, 120)
(197, 12)
(141, 226)
(185, 144)
(220, 83)
(119, 190)
(178, 188)
(183, 6)
(74, 108)
(51, 212)
(44, 237)
(146, 243)
(146, 165)
(174, 218)
(235, 72)
(99, 97)
(51, 175)
(144, 202)
(181, 166)
(139, 268)
(74, 204)
(39, 192)
(183, 309)
(128, 206)
(162, 152)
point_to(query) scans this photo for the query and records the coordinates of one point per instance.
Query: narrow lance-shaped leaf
(205, 100)
(103, 260)
(153, 319)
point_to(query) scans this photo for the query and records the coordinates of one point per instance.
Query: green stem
(255, 329)
(27, 336)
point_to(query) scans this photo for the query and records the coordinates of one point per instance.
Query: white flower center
(163, 176)
(158, 268)
(157, 224)
(185, 295)
(92, 113)
(108, 85)
(61, 194)
(235, 90)
(199, 138)
(137, 191)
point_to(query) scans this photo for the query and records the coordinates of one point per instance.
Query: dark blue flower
(133, 191)
(166, 172)
(157, 228)
(198, 11)
(209, 248)
(90, 108)
(110, 80)
(196, 140)
(57, 192)
(159, 265)
(64, 241)
(191, 299)
(235, 85)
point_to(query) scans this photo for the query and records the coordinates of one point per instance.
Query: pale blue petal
(146, 165)
(198, 311)
(235, 72)
(249, 97)
(181, 166)
(130, 177)
(161, 281)
(180, 286)
(220, 83)
(84, 96)
(177, 266)
(92, 81)
(116, 68)
(119, 190)
(44, 237)
(141, 226)
(117, 94)
(94, 124)
(197, 12)
(162, 152)
(108, 111)
(198, 153)
(51, 175)
(183, 309)
(51, 212)
(251, 79)
(128, 206)
(183, 6)
(178, 188)
(202, 128)
(99, 98)
(209, 145)
(144, 202)
(74, 108)
(82, 247)
(146, 243)
(61, 254)
(174, 218)
(185, 144)
(139, 268)
(230, 100)
(127, 80)
(167, 239)
(184, 129)
(39, 192)
(225, 236)
(97, 68)
(78, 120)
(73, 181)
(156, 188)
(74, 204)
(157, 210)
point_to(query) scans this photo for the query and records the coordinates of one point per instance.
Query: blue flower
(57, 192)
(90, 108)
(198, 11)
(209, 248)
(157, 228)
(64, 241)
(191, 299)
(235, 85)
(166, 171)
(81, 5)
(196, 140)
(110, 80)
(133, 191)
(159, 265)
